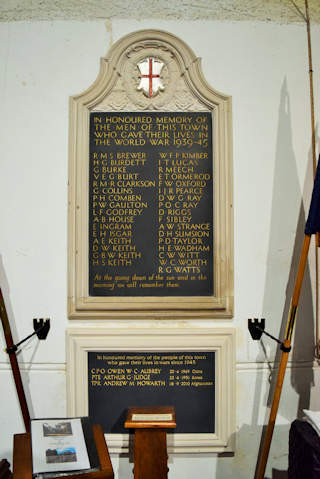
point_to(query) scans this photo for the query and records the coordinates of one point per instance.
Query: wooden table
(150, 440)
(22, 458)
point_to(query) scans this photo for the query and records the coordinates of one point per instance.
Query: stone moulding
(80, 341)
(185, 90)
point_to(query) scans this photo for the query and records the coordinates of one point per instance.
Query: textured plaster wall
(285, 11)
(264, 68)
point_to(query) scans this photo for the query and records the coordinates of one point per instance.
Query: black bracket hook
(41, 329)
(256, 328)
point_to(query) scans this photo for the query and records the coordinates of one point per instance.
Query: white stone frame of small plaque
(222, 341)
(186, 90)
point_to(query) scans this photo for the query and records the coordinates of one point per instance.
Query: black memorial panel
(150, 204)
(185, 380)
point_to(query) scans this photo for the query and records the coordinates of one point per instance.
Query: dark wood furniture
(22, 458)
(5, 472)
(304, 451)
(150, 440)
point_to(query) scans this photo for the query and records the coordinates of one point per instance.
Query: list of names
(150, 204)
(185, 380)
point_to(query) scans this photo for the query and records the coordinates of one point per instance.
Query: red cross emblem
(150, 82)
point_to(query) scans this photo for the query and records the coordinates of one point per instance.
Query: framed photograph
(58, 445)
(62, 428)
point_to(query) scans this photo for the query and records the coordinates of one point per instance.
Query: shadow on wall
(284, 230)
(242, 464)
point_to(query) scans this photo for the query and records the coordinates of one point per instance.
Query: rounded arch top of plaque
(159, 60)
(150, 187)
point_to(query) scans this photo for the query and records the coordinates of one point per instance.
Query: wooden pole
(263, 456)
(263, 459)
(314, 164)
(313, 129)
(14, 364)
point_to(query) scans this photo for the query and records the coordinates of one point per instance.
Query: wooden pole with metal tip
(14, 364)
(312, 228)
(284, 359)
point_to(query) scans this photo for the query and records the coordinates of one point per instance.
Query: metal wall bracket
(256, 327)
(41, 327)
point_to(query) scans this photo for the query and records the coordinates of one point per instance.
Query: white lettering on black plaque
(150, 204)
(185, 380)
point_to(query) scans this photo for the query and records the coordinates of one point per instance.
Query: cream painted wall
(264, 68)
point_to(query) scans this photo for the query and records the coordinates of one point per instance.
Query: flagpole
(312, 227)
(14, 364)
(313, 130)
(314, 164)
(284, 358)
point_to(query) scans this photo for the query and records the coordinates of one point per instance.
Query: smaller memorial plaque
(185, 380)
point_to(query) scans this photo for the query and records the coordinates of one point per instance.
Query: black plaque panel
(185, 380)
(150, 204)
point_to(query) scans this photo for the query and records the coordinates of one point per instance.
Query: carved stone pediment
(175, 94)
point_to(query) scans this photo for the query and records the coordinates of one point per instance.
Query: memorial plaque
(185, 380)
(151, 204)
(150, 187)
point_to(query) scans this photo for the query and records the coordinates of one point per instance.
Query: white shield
(150, 82)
